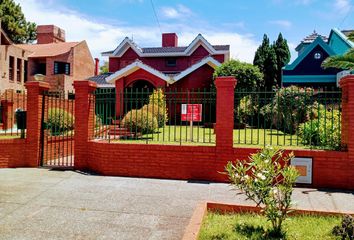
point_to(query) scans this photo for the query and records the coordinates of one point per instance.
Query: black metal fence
(155, 116)
(12, 106)
(293, 116)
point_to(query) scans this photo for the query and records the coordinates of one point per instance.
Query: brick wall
(330, 168)
(12, 153)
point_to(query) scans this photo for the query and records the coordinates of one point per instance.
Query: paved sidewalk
(45, 204)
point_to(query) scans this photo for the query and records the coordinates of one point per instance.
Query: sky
(239, 23)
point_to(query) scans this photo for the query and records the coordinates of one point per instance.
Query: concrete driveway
(45, 204)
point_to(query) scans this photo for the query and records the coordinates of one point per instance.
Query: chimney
(50, 34)
(169, 40)
(97, 63)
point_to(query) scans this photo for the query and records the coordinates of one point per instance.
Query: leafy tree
(266, 59)
(14, 22)
(345, 61)
(247, 75)
(104, 68)
(282, 53)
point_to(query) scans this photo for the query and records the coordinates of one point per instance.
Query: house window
(11, 68)
(171, 62)
(18, 70)
(42, 68)
(317, 55)
(25, 71)
(61, 68)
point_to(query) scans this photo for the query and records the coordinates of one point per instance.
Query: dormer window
(171, 62)
(317, 55)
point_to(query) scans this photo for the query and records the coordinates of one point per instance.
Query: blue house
(306, 70)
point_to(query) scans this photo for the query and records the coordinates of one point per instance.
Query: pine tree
(282, 54)
(266, 60)
(14, 22)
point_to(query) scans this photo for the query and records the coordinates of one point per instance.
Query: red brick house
(170, 66)
(61, 62)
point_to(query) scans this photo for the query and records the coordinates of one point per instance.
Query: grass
(205, 136)
(252, 226)
(9, 136)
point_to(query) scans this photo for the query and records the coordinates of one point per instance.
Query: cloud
(178, 12)
(342, 6)
(281, 23)
(103, 36)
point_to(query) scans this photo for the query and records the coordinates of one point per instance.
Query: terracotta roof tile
(48, 50)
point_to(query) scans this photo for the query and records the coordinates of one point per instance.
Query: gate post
(35, 90)
(347, 85)
(84, 117)
(225, 87)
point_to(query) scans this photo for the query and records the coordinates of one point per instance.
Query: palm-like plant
(345, 61)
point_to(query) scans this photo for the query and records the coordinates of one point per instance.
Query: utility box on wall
(304, 167)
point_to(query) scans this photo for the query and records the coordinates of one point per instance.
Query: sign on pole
(191, 112)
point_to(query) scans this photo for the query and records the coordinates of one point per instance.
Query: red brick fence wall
(332, 169)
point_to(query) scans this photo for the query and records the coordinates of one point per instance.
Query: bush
(246, 109)
(289, 107)
(268, 180)
(157, 106)
(140, 121)
(247, 75)
(159, 113)
(324, 129)
(59, 121)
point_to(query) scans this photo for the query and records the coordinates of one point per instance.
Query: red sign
(191, 112)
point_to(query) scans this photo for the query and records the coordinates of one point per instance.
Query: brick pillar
(224, 113)
(7, 114)
(347, 85)
(84, 120)
(35, 91)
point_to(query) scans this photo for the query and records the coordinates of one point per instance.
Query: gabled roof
(342, 36)
(167, 51)
(48, 50)
(319, 41)
(126, 71)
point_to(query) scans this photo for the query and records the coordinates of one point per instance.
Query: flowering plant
(268, 180)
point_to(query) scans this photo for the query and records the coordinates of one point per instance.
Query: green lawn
(252, 226)
(9, 136)
(205, 136)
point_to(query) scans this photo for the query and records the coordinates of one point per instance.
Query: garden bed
(227, 221)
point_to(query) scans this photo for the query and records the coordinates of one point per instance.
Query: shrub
(247, 75)
(140, 121)
(324, 129)
(157, 106)
(246, 109)
(289, 107)
(346, 229)
(267, 179)
(59, 121)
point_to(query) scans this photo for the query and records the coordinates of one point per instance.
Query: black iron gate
(58, 129)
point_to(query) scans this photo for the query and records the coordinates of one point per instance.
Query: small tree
(282, 53)
(266, 59)
(247, 75)
(268, 180)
